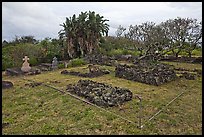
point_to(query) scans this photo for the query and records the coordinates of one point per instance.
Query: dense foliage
(81, 34)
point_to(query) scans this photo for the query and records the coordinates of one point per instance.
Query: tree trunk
(176, 54)
(189, 54)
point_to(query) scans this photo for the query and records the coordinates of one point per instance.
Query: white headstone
(25, 67)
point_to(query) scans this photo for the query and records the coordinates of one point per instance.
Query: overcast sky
(42, 19)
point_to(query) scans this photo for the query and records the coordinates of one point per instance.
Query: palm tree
(68, 32)
(83, 33)
(97, 28)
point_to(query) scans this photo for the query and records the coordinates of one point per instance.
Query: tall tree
(120, 32)
(194, 37)
(180, 31)
(83, 33)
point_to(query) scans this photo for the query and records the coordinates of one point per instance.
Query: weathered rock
(6, 84)
(5, 124)
(18, 72)
(153, 74)
(99, 93)
(188, 76)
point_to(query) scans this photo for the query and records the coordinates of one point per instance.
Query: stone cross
(25, 67)
(54, 63)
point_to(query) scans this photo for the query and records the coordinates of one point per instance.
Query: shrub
(6, 63)
(115, 52)
(13, 55)
(77, 62)
(33, 61)
(197, 52)
(60, 66)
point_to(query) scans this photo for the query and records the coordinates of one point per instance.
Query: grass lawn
(42, 110)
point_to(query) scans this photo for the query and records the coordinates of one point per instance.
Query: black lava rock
(6, 84)
(99, 93)
(153, 74)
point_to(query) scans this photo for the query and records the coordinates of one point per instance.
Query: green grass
(42, 110)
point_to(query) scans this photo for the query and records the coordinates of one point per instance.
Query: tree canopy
(81, 34)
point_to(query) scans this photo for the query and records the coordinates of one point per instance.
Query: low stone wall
(99, 93)
(156, 74)
(183, 59)
(100, 60)
(89, 75)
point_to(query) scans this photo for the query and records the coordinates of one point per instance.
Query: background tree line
(87, 34)
(172, 36)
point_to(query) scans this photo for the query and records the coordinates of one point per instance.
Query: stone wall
(100, 60)
(99, 93)
(153, 74)
(89, 75)
(183, 59)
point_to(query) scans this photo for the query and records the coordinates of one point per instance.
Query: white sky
(42, 19)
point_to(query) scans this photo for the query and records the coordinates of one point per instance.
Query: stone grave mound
(92, 72)
(99, 93)
(184, 59)
(146, 72)
(100, 59)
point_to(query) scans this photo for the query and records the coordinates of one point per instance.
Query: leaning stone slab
(18, 71)
(14, 71)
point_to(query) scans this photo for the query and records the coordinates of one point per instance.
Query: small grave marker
(54, 63)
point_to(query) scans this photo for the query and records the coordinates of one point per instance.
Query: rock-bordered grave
(153, 74)
(99, 93)
(101, 60)
(94, 71)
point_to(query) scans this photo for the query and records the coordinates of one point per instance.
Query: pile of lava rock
(89, 75)
(99, 93)
(100, 59)
(153, 74)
